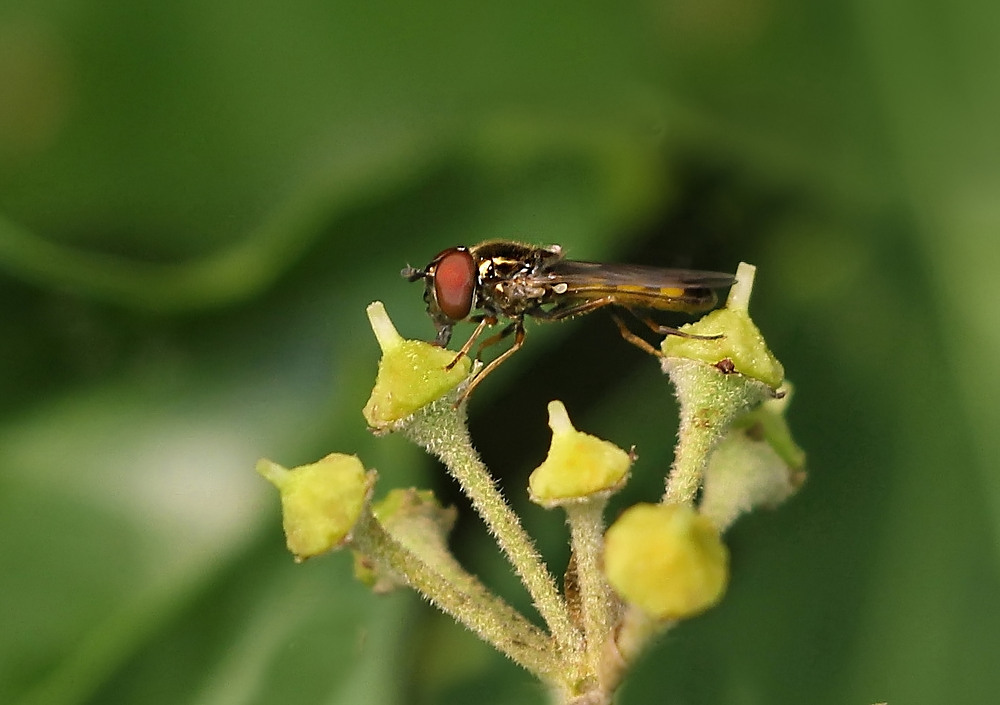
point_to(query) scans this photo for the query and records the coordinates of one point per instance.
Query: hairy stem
(441, 429)
(465, 599)
(600, 608)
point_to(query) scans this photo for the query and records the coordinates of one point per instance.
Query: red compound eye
(455, 283)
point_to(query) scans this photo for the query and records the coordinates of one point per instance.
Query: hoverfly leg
(518, 329)
(443, 336)
(494, 339)
(633, 338)
(563, 312)
(667, 330)
(484, 322)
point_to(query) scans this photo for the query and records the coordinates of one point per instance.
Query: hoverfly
(510, 280)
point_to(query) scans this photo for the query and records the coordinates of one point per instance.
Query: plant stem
(600, 608)
(696, 438)
(636, 631)
(441, 429)
(465, 599)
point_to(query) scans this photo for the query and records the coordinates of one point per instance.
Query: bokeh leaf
(197, 203)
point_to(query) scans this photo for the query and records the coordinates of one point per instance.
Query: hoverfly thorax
(512, 277)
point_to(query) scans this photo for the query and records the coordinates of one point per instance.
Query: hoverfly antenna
(411, 274)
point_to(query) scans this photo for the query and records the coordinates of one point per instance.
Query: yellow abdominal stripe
(673, 291)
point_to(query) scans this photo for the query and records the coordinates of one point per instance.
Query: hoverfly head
(451, 279)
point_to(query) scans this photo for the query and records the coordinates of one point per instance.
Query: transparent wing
(634, 285)
(574, 272)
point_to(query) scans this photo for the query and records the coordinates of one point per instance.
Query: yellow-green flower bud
(716, 381)
(666, 559)
(578, 465)
(411, 373)
(320, 502)
(739, 347)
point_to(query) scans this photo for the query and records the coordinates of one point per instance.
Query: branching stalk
(441, 429)
(465, 599)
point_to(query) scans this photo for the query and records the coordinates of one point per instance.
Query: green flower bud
(578, 465)
(421, 525)
(411, 373)
(405, 506)
(666, 559)
(768, 423)
(320, 502)
(756, 464)
(716, 381)
(739, 346)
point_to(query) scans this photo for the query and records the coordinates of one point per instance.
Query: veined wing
(635, 285)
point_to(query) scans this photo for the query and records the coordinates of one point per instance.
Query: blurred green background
(198, 200)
